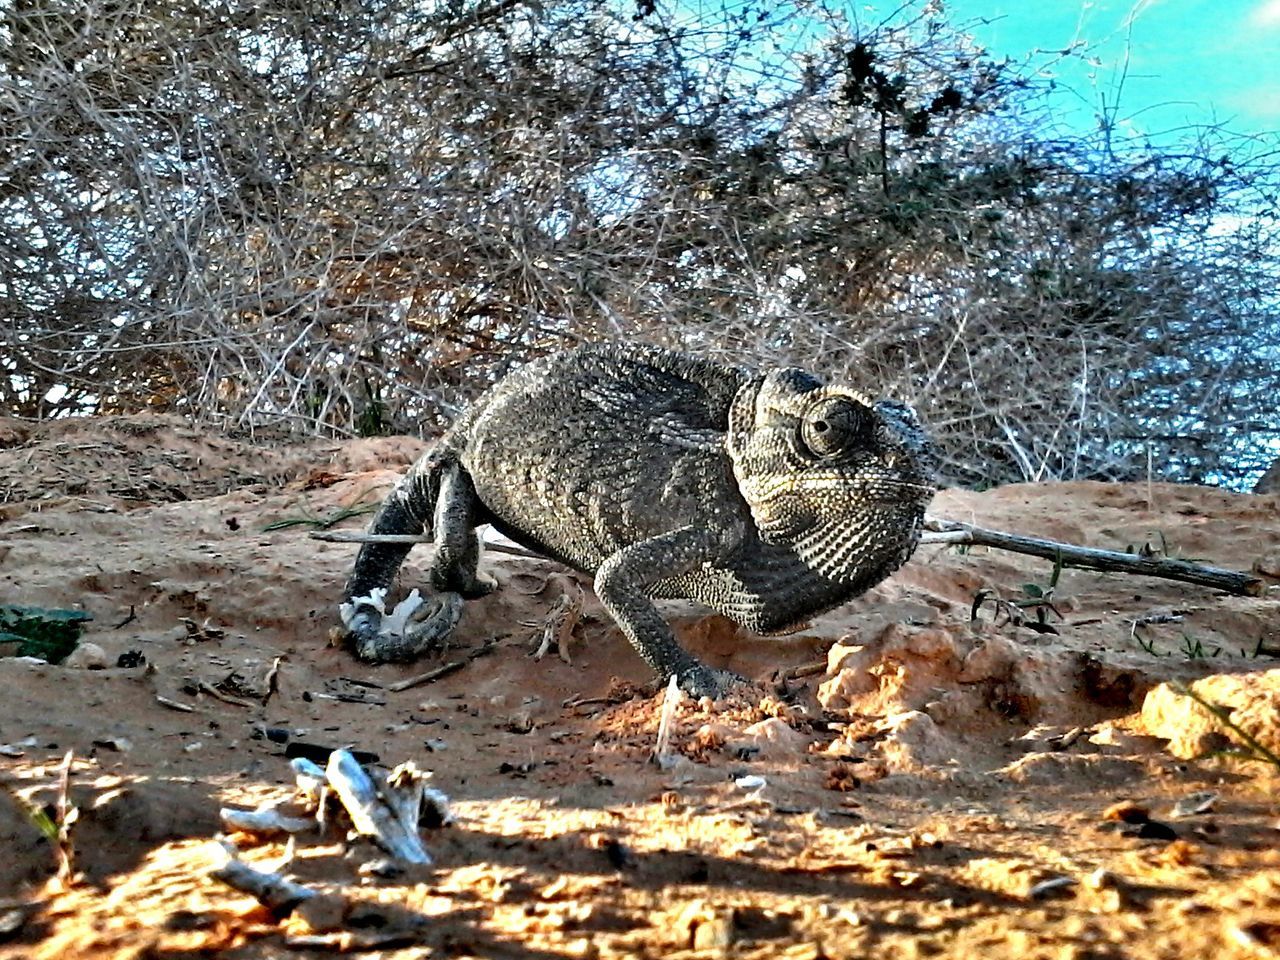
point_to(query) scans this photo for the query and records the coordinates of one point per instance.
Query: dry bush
(352, 217)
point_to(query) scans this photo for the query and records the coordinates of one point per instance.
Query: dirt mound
(147, 459)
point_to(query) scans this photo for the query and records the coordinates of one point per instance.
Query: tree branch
(1088, 558)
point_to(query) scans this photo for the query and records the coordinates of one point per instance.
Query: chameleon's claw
(362, 630)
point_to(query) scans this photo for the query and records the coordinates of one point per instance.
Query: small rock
(1195, 804)
(1253, 700)
(619, 856)
(11, 923)
(1101, 879)
(714, 933)
(117, 744)
(383, 869)
(774, 739)
(323, 912)
(273, 734)
(1127, 811)
(1155, 830)
(17, 748)
(581, 949)
(86, 656)
(914, 740)
(187, 920)
(708, 927)
(1260, 937)
(1116, 741)
(1044, 737)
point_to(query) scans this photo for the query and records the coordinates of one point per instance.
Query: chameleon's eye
(834, 425)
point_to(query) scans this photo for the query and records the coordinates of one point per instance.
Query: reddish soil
(919, 777)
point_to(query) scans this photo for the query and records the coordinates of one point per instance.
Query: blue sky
(1189, 61)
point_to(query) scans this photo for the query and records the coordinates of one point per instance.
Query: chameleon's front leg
(621, 583)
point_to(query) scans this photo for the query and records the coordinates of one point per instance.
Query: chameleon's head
(842, 480)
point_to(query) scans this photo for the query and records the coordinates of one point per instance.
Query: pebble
(17, 748)
(322, 912)
(1127, 811)
(1155, 830)
(118, 744)
(86, 656)
(384, 869)
(709, 927)
(713, 933)
(1101, 879)
(11, 923)
(1194, 804)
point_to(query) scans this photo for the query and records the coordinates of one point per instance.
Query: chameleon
(766, 495)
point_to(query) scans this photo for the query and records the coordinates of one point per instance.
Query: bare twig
(388, 815)
(67, 816)
(272, 890)
(272, 681)
(662, 755)
(442, 671)
(1088, 558)
(205, 687)
(356, 536)
(174, 704)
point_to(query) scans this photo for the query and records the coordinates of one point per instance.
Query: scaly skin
(769, 497)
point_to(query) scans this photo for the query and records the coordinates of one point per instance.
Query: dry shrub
(352, 216)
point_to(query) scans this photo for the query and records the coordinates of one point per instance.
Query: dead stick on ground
(811, 669)
(1087, 558)
(357, 536)
(67, 815)
(441, 671)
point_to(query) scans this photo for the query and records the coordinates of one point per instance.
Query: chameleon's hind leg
(436, 490)
(456, 564)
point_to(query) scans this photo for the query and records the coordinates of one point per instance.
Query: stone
(1253, 700)
(86, 656)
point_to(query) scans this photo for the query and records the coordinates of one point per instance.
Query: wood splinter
(272, 890)
(387, 814)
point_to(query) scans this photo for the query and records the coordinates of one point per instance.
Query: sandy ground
(917, 785)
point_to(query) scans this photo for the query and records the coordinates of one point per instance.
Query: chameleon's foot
(700, 680)
(410, 630)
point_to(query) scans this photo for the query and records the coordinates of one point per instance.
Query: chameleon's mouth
(878, 488)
